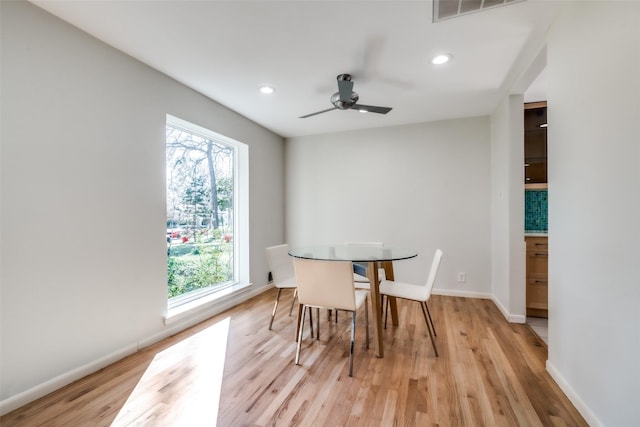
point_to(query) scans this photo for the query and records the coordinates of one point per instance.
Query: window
(204, 228)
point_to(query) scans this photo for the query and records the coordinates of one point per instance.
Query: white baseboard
(458, 293)
(185, 321)
(511, 318)
(582, 407)
(27, 396)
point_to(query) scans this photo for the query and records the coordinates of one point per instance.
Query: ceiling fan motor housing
(345, 99)
(344, 105)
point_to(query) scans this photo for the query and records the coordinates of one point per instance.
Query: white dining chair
(418, 293)
(282, 273)
(361, 281)
(329, 284)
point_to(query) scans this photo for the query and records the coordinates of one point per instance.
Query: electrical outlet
(462, 277)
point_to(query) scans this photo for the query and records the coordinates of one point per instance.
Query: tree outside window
(200, 195)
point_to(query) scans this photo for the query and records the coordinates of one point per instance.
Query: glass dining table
(371, 256)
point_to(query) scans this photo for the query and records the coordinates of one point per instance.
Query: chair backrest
(280, 263)
(435, 265)
(325, 283)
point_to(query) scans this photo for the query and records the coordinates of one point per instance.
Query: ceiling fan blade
(345, 87)
(368, 58)
(371, 108)
(317, 112)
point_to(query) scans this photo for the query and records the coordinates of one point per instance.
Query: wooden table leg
(388, 272)
(374, 284)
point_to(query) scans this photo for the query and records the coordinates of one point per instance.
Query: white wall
(83, 277)
(593, 70)
(507, 204)
(419, 186)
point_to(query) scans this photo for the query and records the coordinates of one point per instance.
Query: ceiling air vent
(445, 9)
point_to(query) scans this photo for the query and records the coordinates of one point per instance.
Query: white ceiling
(227, 49)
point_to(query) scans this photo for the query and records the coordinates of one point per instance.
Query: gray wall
(83, 200)
(424, 186)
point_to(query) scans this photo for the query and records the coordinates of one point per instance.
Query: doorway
(536, 208)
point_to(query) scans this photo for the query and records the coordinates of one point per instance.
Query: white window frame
(186, 302)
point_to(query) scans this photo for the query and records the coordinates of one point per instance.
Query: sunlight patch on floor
(181, 386)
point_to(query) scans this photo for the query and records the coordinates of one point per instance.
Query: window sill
(206, 302)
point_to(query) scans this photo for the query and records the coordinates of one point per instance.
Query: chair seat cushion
(359, 278)
(288, 283)
(403, 290)
(361, 296)
(362, 285)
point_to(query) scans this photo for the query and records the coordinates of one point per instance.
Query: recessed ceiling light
(363, 111)
(441, 59)
(267, 90)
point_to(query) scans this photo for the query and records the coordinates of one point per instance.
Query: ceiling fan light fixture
(442, 58)
(267, 90)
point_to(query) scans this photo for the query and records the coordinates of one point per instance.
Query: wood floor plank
(232, 371)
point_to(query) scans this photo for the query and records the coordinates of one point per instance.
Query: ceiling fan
(346, 99)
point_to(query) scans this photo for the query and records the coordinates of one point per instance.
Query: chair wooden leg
(423, 305)
(275, 307)
(295, 294)
(311, 321)
(318, 324)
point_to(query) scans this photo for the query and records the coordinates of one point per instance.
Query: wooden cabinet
(535, 143)
(537, 276)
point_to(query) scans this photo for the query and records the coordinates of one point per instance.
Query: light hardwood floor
(231, 371)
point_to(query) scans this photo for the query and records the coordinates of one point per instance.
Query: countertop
(536, 234)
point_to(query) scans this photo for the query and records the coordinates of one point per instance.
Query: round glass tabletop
(353, 253)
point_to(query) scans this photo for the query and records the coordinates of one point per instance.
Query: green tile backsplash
(535, 210)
